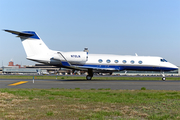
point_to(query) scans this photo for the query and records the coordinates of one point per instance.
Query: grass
(83, 77)
(89, 104)
(143, 88)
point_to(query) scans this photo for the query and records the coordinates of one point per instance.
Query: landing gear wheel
(88, 77)
(163, 78)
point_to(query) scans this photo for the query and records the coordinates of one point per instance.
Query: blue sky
(123, 27)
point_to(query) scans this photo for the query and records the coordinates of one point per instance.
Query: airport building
(18, 69)
(37, 69)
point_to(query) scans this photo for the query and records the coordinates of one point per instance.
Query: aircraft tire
(88, 77)
(163, 79)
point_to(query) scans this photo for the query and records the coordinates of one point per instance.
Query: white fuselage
(105, 61)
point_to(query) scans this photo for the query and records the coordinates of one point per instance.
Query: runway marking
(18, 83)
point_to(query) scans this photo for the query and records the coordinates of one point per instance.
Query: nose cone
(173, 67)
(167, 66)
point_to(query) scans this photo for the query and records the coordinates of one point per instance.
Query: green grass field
(101, 104)
(77, 104)
(83, 77)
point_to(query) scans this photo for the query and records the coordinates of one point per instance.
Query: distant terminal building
(11, 64)
(18, 69)
(39, 69)
(50, 69)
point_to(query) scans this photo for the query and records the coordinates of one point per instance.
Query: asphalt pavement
(95, 84)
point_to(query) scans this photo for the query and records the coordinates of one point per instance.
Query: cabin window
(100, 60)
(124, 61)
(132, 61)
(140, 62)
(108, 61)
(116, 61)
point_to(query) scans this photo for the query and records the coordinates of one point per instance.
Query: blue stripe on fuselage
(150, 68)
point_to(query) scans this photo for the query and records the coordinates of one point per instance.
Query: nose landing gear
(163, 77)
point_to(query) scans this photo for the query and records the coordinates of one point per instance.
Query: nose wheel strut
(163, 77)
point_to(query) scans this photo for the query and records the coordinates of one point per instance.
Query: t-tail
(32, 43)
(36, 49)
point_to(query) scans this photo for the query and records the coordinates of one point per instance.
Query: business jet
(36, 50)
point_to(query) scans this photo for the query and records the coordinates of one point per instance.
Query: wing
(98, 68)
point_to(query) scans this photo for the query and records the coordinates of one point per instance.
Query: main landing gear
(90, 74)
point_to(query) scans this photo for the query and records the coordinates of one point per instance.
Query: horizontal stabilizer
(19, 33)
(28, 34)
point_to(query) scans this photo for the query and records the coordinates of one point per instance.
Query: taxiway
(93, 84)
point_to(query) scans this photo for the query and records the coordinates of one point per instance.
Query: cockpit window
(163, 60)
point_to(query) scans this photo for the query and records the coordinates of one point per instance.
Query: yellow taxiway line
(18, 83)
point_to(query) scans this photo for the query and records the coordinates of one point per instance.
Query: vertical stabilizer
(32, 43)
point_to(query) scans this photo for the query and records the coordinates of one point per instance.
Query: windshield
(163, 60)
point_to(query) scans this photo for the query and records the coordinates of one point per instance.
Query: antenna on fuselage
(136, 54)
(86, 49)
